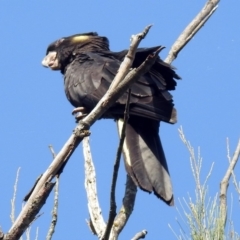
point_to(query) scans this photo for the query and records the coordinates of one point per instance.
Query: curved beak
(51, 61)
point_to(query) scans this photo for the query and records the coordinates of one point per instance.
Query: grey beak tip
(44, 64)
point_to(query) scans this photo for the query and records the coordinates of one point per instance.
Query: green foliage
(201, 215)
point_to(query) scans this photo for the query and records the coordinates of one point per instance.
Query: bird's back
(90, 74)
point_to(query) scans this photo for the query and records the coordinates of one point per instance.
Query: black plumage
(89, 67)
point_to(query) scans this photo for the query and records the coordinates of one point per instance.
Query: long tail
(144, 157)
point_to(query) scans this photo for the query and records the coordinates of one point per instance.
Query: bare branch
(126, 209)
(188, 33)
(55, 206)
(52, 151)
(54, 212)
(233, 175)
(29, 214)
(140, 235)
(12, 215)
(129, 58)
(36, 238)
(113, 206)
(113, 94)
(224, 185)
(28, 233)
(96, 223)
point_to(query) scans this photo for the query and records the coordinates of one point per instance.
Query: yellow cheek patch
(77, 39)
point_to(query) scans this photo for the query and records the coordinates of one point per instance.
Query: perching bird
(89, 68)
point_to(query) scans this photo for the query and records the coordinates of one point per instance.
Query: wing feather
(89, 76)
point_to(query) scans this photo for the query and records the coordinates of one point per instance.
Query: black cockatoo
(89, 68)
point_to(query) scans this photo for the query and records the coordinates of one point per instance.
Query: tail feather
(135, 169)
(144, 157)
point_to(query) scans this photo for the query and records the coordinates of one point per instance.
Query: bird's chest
(81, 81)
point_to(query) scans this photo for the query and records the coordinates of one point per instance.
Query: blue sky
(36, 113)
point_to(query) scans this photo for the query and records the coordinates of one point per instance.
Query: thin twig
(140, 235)
(28, 233)
(96, 223)
(224, 185)
(54, 212)
(192, 28)
(113, 206)
(129, 58)
(55, 206)
(36, 238)
(52, 151)
(20, 226)
(233, 174)
(12, 215)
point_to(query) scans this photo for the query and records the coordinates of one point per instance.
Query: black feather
(89, 68)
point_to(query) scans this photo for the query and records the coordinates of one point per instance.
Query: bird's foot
(79, 113)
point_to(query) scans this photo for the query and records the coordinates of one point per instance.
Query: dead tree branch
(126, 209)
(55, 206)
(224, 185)
(129, 58)
(96, 223)
(12, 215)
(235, 183)
(192, 28)
(113, 206)
(20, 226)
(52, 151)
(54, 211)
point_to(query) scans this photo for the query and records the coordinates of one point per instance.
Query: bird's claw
(79, 113)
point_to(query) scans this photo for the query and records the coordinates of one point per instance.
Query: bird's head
(61, 52)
